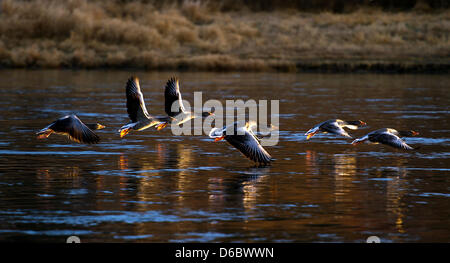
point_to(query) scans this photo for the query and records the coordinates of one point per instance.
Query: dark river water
(152, 186)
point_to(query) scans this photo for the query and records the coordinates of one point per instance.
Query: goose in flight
(179, 115)
(137, 112)
(389, 137)
(74, 128)
(334, 126)
(243, 139)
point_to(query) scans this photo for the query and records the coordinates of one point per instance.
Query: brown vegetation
(229, 35)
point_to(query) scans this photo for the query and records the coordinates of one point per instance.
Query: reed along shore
(225, 36)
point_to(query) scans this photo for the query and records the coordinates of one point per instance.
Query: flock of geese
(240, 136)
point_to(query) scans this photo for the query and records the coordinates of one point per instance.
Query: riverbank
(191, 36)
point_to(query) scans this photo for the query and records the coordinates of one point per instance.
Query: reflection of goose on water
(72, 127)
(140, 119)
(172, 95)
(243, 139)
(334, 126)
(389, 137)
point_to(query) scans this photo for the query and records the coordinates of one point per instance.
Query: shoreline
(300, 67)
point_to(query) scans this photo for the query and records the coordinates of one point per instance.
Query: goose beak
(43, 135)
(124, 132)
(414, 133)
(219, 138)
(161, 126)
(309, 136)
(101, 127)
(363, 123)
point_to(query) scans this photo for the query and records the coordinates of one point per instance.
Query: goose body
(243, 139)
(334, 126)
(72, 127)
(387, 136)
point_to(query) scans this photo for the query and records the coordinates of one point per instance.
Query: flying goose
(243, 139)
(72, 127)
(334, 126)
(179, 115)
(389, 137)
(137, 112)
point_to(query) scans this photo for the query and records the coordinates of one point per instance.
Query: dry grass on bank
(191, 35)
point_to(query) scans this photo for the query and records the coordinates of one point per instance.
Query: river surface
(152, 186)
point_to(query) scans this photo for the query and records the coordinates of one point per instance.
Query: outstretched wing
(75, 129)
(135, 100)
(333, 127)
(390, 139)
(171, 95)
(249, 146)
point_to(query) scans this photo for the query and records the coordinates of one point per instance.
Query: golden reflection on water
(123, 162)
(244, 189)
(394, 204)
(214, 195)
(344, 171)
(185, 159)
(183, 162)
(173, 160)
(43, 173)
(250, 189)
(395, 193)
(72, 171)
(67, 171)
(311, 162)
(44, 176)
